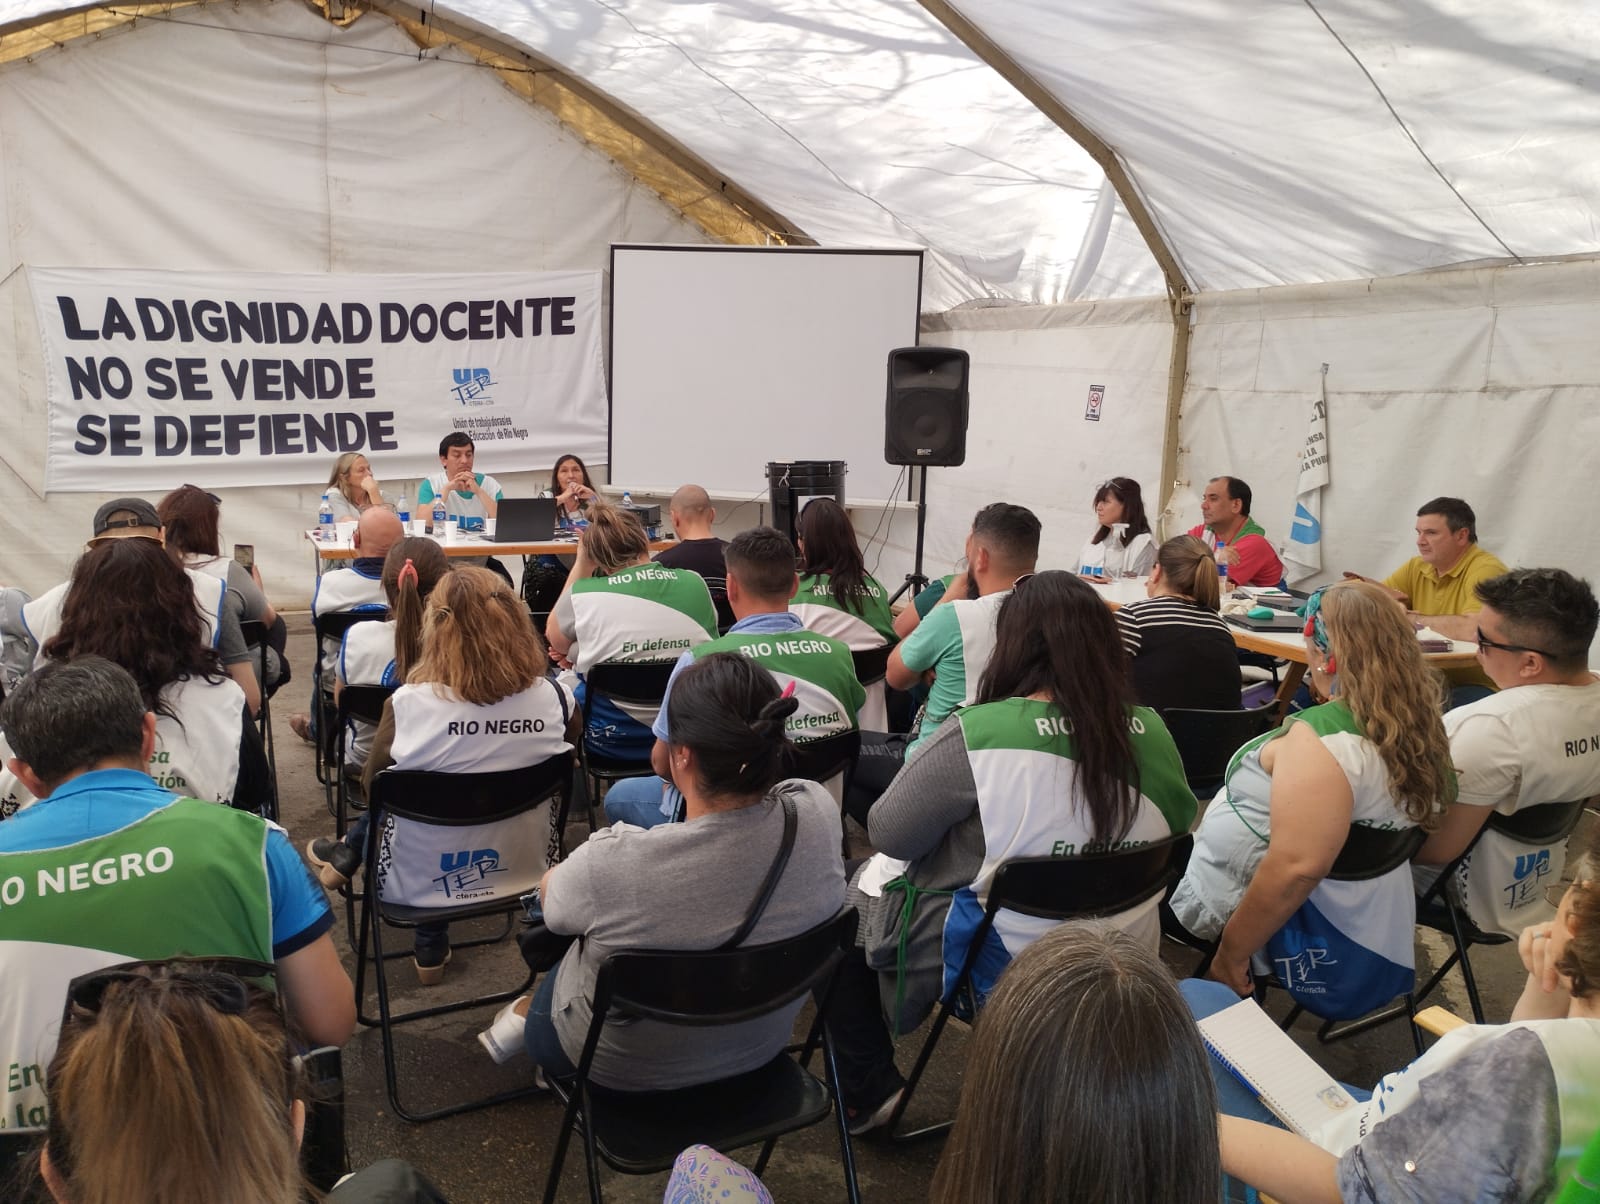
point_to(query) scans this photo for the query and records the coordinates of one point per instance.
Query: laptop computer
(1278, 622)
(525, 520)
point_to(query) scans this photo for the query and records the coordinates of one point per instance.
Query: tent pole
(1179, 293)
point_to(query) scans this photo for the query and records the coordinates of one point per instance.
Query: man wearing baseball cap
(26, 626)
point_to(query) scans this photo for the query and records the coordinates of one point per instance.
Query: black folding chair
(444, 800)
(872, 664)
(1366, 855)
(1054, 888)
(642, 1132)
(642, 683)
(331, 627)
(826, 758)
(1207, 740)
(1539, 826)
(365, 704)
(255, 639)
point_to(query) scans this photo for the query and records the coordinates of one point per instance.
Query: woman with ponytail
(382, 653)
(479, 699)
(1053, 759)
(1181, 653)
(687, 886)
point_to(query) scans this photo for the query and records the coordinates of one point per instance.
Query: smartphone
(245, 554)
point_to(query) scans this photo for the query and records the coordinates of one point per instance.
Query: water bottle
(325, 530)
(439, 515)
(627, 500)
(1222, 567)
(1115, 555)
(402, 510)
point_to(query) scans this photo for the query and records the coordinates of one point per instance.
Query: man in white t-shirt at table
(470, 498)
(1533, 742)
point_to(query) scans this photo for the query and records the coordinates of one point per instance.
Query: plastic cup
(346, 532)
(452, 530)
(419, 526)
(488, 528)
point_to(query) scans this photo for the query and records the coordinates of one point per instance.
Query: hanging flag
(1303, 555)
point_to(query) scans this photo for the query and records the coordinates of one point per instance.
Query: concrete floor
(502, 1155)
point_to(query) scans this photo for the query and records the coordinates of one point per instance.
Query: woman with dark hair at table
(1052, 759)
(1180, 652)
(1119, 500)
(687, 886)
(190, 525)
(573, 491)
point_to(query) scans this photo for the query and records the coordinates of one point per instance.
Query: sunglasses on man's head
(226, 983)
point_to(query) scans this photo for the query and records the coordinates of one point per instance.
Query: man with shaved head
(697, 549)
(357, 588)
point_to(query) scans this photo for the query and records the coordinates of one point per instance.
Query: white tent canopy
(1295, 177)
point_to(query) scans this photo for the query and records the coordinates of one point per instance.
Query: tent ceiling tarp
(1274, 143)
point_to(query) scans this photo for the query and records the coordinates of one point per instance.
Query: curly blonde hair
(1394, 694)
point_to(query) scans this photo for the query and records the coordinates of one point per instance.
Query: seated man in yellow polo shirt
(1438, 584)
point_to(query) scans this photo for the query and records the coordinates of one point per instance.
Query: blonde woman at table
(1376, 755)
(1181, 653)
(1119, 500)
(352, 487)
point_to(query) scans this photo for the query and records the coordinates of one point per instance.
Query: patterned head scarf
(1315, 627)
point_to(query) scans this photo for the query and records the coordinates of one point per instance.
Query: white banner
(155, 378)
(1303, 553)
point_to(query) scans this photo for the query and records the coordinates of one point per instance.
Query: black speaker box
(925, 418)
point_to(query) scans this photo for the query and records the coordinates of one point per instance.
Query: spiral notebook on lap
(525, 520)
(1266, 1060)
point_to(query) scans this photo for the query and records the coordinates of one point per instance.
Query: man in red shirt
(1240, 542)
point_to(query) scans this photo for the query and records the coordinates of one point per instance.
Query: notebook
(1265, 1059)
(525, 520)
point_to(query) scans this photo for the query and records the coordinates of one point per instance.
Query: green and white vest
(820, 668)
(189, 879)
(820, 611)
(645, 613)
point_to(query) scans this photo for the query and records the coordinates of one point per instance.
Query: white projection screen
(725, 358)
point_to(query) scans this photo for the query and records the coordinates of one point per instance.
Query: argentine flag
(1303, 554)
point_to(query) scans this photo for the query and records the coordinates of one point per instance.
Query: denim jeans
(640, 802)
(539, 1035)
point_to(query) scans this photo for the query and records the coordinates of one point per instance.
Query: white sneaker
(503, 1038)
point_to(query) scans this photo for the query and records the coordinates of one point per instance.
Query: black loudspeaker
(925, 419)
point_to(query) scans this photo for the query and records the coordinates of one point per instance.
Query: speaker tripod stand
(916, 581)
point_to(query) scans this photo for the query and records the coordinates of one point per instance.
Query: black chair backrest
(641, 682)
(1372, 852)
(335, 623)
(363, 702)
(459, 799)
(255, 632)
(1546, 823)
(819, 760)
(871, 664)
(723, 986)
(1207, 740)
(1097, 884)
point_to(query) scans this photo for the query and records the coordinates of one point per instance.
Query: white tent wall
(260, 137)
(1027, 439)
(1476, 384)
